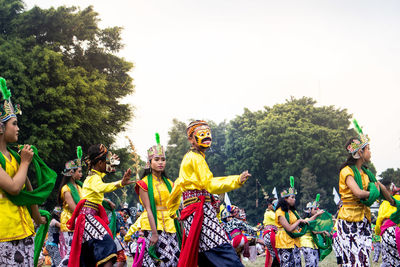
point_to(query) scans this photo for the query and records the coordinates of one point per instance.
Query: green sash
(152, 249)
(323, 222)
(373, 190)
(304, 227)
(46, 179)
(74, 191)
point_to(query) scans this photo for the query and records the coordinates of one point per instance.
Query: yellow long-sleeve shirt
(385, 210)
(194, 174)
(93, 188)
(134, 227)
(269, 217)
(15, 222)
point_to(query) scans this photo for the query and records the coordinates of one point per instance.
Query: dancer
(89, 219)
(288, 222)
(160, 230)
(269, 234)
(16, 226)
(69, 196)
(385, 229)
(195, 184)
(308, 246)
(358, 188)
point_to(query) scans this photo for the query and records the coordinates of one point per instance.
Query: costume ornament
(358, 144)
(7, 110)
(291, 190)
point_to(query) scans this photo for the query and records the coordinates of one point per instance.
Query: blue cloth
(222, 255)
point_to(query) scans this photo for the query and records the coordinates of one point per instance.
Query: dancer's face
(11, 130)
(365, 154)
(77, 175)
(202, 137)
(158, 164)
(291, 200)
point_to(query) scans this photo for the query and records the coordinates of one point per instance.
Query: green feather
(6, 93)
(157, 138)
(79, 152)
(357, 126)
(291, 181)
(317, 198)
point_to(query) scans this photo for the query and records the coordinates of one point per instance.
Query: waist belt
(192, 200)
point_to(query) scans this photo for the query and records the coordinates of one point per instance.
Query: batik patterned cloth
(167, 250)
(311, 257)
(212, 234)
(289, 257)
(355, 240)
(54, 254)
(17, 252)
(65, 246)
(240, 225)
(390, 255)
(377, 251)
(337, 250)
(267, 240)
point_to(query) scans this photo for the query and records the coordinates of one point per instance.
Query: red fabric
(237, 239)
(272, 239)
(267, 256)
(190, 245)
(141, 184)
(388, 223)
(77, 223)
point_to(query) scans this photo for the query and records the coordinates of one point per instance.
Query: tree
(309, 189)
(391, 175)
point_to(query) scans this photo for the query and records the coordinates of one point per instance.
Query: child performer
(204, 241)
(92, 235)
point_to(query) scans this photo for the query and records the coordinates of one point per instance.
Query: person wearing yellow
(196, 184)
(269, 234)
(16, 226)
(358, 189)
(288, 223)
(158, 227)
(69, 196)
(89, 220)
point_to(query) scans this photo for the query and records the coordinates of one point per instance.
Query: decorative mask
(203, 136)
(111, 161)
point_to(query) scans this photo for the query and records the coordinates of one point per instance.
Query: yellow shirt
(133, 229)
(282, 239)
(269, 217)
(93, 188)
(352, 210)
(385, 210)
(66, 214)
(16, 222)
(194, 174)
(161, 194)
(306, 241)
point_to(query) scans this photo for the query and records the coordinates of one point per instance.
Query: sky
(210, 59)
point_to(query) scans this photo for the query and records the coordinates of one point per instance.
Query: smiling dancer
(204, 241)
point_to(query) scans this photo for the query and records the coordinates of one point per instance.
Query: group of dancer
(180, 223)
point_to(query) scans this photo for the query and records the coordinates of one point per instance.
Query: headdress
(291, 190)
(93, 158)
(73, 164)
(358, 143)
(193, 125)
(314, 204)
(7, 110)
(155, 151)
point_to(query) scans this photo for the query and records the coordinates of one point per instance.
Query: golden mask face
(203, 136)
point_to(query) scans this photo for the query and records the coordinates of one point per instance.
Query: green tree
(391, 175)
(309, 189)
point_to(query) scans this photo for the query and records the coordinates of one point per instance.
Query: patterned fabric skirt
(354, 240)
(311, 257)
(267, 240)
(17, 252)
(337, 251)
(212, 234)
(54, 254)
(390, 255)
(65, 246)
(377, 251)
(290, 257)
(167, 250)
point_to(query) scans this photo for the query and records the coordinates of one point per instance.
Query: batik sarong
(311, 257)
(377, 251)
(65, 247)
(17, 252)
(390, 255)
(355, 240)
(167, 250)
(290, 257)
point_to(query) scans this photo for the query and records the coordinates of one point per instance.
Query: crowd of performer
(185, 223)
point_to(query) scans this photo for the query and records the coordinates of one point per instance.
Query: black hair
(282, 203)
(65, 180)
(350, 161)
(93, 152)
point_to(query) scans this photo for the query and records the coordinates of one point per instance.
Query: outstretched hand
(244, 176)
(126, 180)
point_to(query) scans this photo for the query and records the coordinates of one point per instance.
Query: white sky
(255, 53)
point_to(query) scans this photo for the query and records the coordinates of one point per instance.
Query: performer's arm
(355, 189)
(144, 196)
(174, 199)
(290, 227)
(100, 187)
(39, 219)
(14, 185)
(70, 201)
